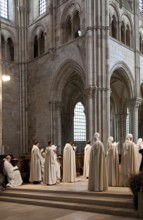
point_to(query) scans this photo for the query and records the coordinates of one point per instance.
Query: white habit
(128, 162)
(87, 150)
(58, 171)
(69, 165)
(13, 174)
(113, 164)
(35, 165)
(42, 166)
(50, 177)
(97, 168)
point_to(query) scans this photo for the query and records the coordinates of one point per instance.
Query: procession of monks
(101, 167)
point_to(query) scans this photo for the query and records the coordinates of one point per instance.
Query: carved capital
(52, 53)
(91, 91)
(134, 103)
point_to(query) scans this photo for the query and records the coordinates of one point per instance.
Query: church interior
(68, 69)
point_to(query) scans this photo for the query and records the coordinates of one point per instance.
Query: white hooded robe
(87, 150)
(35, 165)
(50, 177)
(69, 165)
(97, 168)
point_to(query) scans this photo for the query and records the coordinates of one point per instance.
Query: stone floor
(79, 186)
(12, 211)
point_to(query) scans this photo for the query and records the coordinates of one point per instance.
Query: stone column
(0, 89)
(97, 66)
(58, 127)
(133, 109)
(123, 117)
(22, 64)
(116, 127)
(119, 31)
(90, 93)
(136, 50)
(50, 24)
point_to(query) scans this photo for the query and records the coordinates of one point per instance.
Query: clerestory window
(4, 8)
(42, 6)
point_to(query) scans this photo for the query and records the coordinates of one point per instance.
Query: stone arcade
(59, 53)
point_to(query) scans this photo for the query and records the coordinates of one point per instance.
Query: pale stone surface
(10, 211)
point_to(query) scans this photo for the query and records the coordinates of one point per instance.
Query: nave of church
(68, 69)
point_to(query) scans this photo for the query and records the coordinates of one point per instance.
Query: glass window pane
(42, 6)
(79, 123)
(141, 6)
(128, 122)
(4, 8)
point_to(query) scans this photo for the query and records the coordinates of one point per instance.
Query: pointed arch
(127, 74)
(10, 49)
(69, 68)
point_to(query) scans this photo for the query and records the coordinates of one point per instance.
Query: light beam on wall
(5, 78)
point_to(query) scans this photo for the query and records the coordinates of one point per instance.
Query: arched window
(128, 36)
(76, 25)
(42, 43)
(10, 49)
(128, 122)
(35, 47)
(42, 6)
(4, 8)
(123, 32)
(113, 27)
(79, 123)
(3, 45)
(68, 30)
(140, 6)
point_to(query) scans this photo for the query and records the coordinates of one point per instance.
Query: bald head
(8, 157)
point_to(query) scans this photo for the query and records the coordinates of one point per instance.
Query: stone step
(118, 211)
(73, 198)
(86, 193)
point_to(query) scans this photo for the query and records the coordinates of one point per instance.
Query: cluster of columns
(22, 17)
(55, 125)
(97, 55)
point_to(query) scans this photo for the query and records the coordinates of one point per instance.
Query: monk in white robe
(112, 162)
(128, 160)
(87, 150)
(43, 154)
(97, 168)
(12, 172)
(50, 177)
(35, 165)
(58, 171)
(69, 165)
